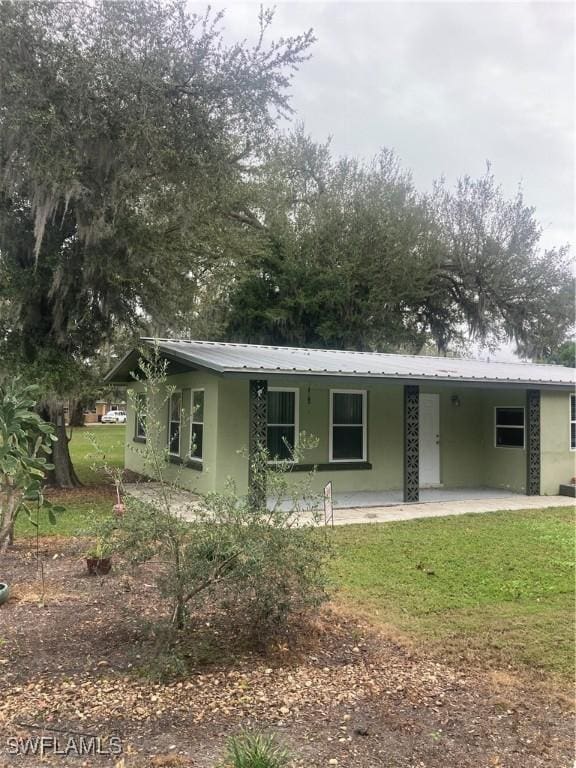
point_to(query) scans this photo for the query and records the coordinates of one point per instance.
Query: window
(174, 418)
(140, 425)
(573, 422)
(347, 425)
(282, 432)
(509, 427)
(197, 425)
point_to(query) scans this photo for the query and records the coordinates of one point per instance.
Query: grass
(90, 447)
(498, 585)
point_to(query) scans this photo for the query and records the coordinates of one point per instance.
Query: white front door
(429, 440)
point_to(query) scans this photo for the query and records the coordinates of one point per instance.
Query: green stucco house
(389, 424)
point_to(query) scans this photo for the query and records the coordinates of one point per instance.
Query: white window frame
(200, 459)
(571, 420)
(510, 426)
(296, 425)
(364, 425)
(176, 392)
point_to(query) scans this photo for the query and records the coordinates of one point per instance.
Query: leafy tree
(126, 132)
(491, 273)
(565, 354)
(351, 255)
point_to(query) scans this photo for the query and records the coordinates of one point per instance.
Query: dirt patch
(341, 691)
(91, 493)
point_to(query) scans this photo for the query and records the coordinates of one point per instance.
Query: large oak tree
(127, 129)
(352, 255)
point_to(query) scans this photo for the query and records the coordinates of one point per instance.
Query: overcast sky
(446, 85)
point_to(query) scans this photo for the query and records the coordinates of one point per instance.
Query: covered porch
(413, 442)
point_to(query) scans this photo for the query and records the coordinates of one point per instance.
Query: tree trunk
(63, 475)
(76, 413)
(10, 505)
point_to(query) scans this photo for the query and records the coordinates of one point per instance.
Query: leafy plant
(255, 750)
(25, 443)
(128, 131)
(101, 549)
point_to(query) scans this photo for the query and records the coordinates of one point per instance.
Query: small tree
(25, 442)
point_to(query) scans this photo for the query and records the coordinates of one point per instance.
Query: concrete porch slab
(445, 508)
(381, 507)
(394, 498)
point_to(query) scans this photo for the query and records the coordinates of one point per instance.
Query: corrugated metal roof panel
(228, 358)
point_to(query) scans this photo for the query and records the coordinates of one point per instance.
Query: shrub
(263, 563)
(254, 750)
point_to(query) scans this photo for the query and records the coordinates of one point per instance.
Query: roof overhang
(128, 370)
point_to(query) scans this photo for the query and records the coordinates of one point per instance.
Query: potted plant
(99, 558)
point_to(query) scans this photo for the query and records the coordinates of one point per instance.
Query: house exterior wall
(202, 481)
(461, 445)
(468, 455)
(502, 467)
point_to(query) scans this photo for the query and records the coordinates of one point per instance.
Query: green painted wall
(232, 437)
(461, 443)
(558, 461)
(192, 479)
(503, 467)
(468, 456)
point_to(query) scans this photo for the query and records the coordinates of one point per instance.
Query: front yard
(448, 641)
(493, 588)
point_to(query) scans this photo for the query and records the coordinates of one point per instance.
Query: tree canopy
(126, 133)
(352, 255)
(125, 128)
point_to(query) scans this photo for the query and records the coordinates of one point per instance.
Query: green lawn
(91, 446)
(498, 586)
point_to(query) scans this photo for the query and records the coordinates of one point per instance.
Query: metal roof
(250, 360)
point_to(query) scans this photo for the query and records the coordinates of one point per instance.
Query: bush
(260, 564)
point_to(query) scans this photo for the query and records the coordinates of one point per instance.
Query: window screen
(281, 432)
(140, 416)
(348, 427)
(174, 417)
(510, 427)
(197, 420)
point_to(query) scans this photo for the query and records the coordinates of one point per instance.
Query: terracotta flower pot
(98, 566)
(4, 592)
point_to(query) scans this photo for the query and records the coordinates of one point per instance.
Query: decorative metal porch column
(411, 443)
(258, 415)
(533, 442)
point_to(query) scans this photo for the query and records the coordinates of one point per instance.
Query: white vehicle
(114, 417)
